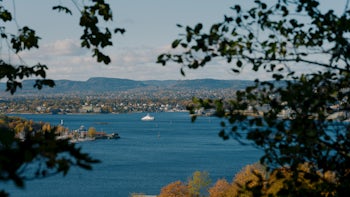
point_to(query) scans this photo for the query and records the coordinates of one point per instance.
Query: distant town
(155, 96)
(112, 95)
(90, 104)
(125, 102)
(100, 103)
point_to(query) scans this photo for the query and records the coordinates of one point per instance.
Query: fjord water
(148, 156)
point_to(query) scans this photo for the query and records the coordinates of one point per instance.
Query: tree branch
(297, 60)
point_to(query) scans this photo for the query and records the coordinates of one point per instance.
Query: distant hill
(213, 84)
(100, 85)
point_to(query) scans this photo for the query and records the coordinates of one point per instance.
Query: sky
(150, 29)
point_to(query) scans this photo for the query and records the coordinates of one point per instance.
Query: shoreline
(92, 113)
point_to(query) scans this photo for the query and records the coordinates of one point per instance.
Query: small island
(81, 135)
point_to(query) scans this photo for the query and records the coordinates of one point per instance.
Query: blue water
(148, 156)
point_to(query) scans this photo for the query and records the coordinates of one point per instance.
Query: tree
(249, 181)
(199, 184)
(280, 179)
(292, 117)
(91, 132)
(175, 189)
(40, 148)
(220, 189)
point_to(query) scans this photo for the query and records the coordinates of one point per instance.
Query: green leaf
(5, 15)
(278, 77)
(120, 30)
(237, 8)
(182, 72)
(62, 9)
(175, 43)
(239, 63)
(235, 70)
(198, 28)
(251, 36)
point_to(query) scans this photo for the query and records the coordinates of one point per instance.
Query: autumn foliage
(220, 189)
(175, 189)
(255, 180)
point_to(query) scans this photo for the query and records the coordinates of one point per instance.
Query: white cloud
(139, 63)
(135, 56)
(65, 47)
(59, 48)
(66, 60)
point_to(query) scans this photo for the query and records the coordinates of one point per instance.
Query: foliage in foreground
(95, 37)
(30, 150)
(252, 180)
(197, 185)
(38, 147)
(300, 120)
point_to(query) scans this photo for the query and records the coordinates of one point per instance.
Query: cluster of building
(72, 105)
(81, 134)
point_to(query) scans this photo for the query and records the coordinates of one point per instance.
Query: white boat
(147, 118)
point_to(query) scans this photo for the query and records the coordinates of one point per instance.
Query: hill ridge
(99, 85)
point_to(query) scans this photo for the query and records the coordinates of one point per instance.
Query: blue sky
(150, 28)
